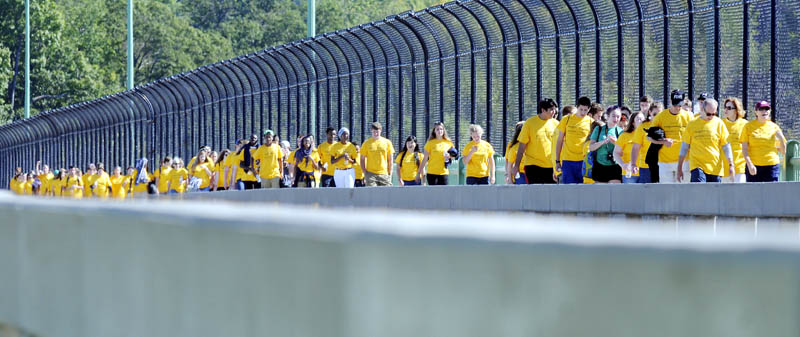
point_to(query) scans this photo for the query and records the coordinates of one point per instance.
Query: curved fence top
(466, 62)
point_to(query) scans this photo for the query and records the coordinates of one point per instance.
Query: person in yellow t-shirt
(28, 186)
(45, 177)
(359, 171)
(305, 160)
(479, 158)
(437, 156)
(762, 140)
(88, 180)
(162, 175)
(735, 120)
(641, 144)
(326, 180)
(178, 177)
(13, 185)
(244, 178)
(343, 156)
(74, 184)
(376, 158)
(511, 155)
(674, 122)
(57, 184)
(573, 132)
(101, 182)
(221, 169)
(624, 146)
(269, 160)
(536, 145)
(705, 141)
(200, 173)
(408, 162)
(119, 183)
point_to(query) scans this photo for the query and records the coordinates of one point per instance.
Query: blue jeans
(699, 176)
(477, 181)
(571, 172)
(521, 180)
(764, 174)
(240, 185)
(411, 183)
(644, 176)
(206, 189)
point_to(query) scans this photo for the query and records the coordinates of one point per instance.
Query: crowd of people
(585, 143)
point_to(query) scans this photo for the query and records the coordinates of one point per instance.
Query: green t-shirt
(604, 152)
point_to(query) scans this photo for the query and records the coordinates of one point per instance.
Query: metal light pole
(312, 30)
(130, 44)
(27, 59)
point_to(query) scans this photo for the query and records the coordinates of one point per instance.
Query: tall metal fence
(474, 61)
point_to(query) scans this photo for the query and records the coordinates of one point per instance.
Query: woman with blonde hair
(735, 120)
(479, 158)
(178, 177)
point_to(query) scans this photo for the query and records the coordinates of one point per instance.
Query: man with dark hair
(376, 158)
(674, 122)
(269, 160)
(536, 145)
(573, 131)
(326, 180)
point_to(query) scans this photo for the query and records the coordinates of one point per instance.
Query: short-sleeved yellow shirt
(537, 134)
(625, 141)
(761, 141)
(409, 165)
(379, 154)
(734, 136)
(268, 158)
(340, 149)
(674, 127)
(575, 130)
(478, 166)
(706, 139)
(436, 148)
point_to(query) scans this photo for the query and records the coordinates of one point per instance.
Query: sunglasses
(730, 108)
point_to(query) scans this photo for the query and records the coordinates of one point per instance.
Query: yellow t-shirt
(538, 135)
(306, 165)
(511, 152)
(674, 127)
(324, 150)
(200, 172)
(640, 137)
(28, 187)
(761, 140)
(379, 154)
(14, 186)
(706, 139)
(103, 182)
(178, 180)
(625, 141)
(118, 188)
(576, 131)
(220, 171)
(269, 161)
(87, 180)
(478, 166)
(55, 186)
(359, 172)
(163, 174)
(340, 149)
(436, 148)
(409, 166)
(139, 188)
(46, 180)
(74, 187)
(734, 136)
(236, 161)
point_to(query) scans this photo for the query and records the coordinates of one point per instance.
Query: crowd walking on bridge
(584, 143)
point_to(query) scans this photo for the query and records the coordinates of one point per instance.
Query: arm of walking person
(422, 164)
(518, 160)
(726, 149)
(681, 158)
(559, 147)
(746, 154)
(492, 168)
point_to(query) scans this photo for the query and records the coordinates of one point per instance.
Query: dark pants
(477, 181)
(245, 185)
(435, 179)
(326, 181)
(411, 183)
(358, 183)
(539, 175)
(644, 176)
(764, 174)
(699, 176)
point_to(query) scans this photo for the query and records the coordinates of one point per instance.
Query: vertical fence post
(773, 63)
(690, 76)
(745, 53)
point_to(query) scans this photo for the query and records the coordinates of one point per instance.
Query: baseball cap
(763, 105)
(677, 97)
(268, 132)
(703, 96)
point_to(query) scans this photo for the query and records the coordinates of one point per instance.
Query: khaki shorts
(271, 183)
(371, 179)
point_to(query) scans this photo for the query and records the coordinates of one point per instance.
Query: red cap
(763, 105)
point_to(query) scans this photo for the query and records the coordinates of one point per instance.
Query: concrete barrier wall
(733, 200)
(84, 269)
